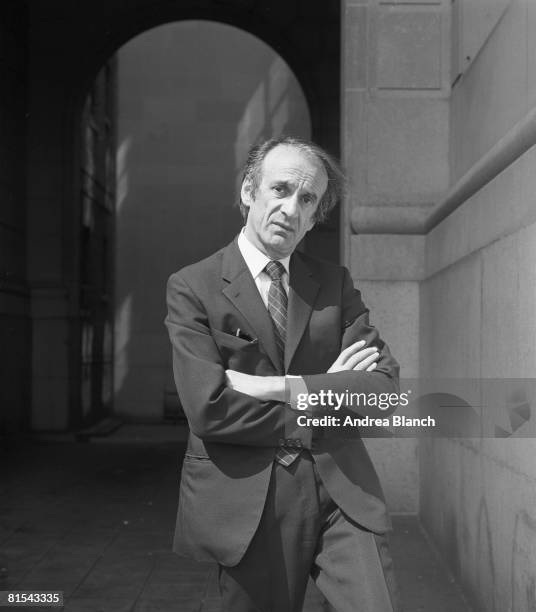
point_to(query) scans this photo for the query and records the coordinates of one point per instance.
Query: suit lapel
(303, 290)
(241, 290)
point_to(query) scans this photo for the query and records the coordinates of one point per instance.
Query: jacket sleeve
(215, 412)
(355, 326)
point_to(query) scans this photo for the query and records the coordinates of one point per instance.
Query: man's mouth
(286, 228)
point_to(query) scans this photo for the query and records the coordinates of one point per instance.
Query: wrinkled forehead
(290, 163)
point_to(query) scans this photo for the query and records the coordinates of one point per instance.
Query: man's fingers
(368, 361)
(348, 352)
(356, 359)
(372, 367)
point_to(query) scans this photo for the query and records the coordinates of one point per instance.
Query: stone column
(395, 115)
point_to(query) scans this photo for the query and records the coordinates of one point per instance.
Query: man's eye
(279, 189)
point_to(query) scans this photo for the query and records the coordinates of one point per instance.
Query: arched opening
(63, 68)
(180, 105)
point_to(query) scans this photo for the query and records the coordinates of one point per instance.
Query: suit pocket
(193, 457)
(226, 340)
(221, 502)
(237, 353)
(243, 355)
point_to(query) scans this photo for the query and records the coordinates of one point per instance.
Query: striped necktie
(277, 307)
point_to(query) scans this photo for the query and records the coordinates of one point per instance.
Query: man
(251, 327)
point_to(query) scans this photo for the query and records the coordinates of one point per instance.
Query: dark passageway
(96, 521)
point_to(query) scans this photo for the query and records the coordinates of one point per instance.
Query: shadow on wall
(193, 97)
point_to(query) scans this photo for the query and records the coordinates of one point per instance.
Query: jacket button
(281, 442)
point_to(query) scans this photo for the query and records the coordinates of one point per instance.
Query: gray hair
(336, 180)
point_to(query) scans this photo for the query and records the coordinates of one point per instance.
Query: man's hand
(272, 388)
(355, 357)
(264, 388)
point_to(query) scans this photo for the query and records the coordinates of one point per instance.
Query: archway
(65, 63)
(192, 97)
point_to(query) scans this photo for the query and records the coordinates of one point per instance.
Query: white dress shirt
(256, 262)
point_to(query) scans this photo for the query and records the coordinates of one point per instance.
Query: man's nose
(290, 205)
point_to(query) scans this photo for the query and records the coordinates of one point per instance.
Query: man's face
(282, 210)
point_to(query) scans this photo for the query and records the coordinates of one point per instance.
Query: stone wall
(478, 305)
(441, 239)
(395, 148)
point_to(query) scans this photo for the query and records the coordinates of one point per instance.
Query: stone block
(477, 21)
(409, 50)
(395, 461)
(531, 55)
(501, 327)
(509, 295)
(492, 96)
(391, 219)
(504, 567)
(525, 302)
(501, 207)
(388, 256)
(516, 456)
(355, 47)
(450, 331)
(450, 502)
(355, 144)
(407, 150)
(394, 310)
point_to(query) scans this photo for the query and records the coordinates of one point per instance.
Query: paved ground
(95, 521)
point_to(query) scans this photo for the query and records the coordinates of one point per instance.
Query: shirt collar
(256, 260)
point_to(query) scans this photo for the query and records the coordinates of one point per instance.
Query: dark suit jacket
(233, 436)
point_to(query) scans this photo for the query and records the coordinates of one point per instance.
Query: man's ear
(245, 193)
